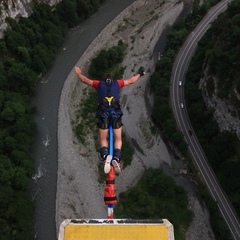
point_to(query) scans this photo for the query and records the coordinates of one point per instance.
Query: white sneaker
(107, 165)
(116, 165)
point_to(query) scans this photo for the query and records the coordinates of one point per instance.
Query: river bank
(79, 195)
(45, 146)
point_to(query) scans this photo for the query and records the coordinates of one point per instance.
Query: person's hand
(78, 70)
(141, 71)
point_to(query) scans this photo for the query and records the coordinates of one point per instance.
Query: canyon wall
(17, 8)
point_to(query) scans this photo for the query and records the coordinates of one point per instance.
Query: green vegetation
(218, 48)
(222, 50)
(108, 61)
(159, 82)
(27, 51)
(141, 196)
(222, 149)
(156, 196)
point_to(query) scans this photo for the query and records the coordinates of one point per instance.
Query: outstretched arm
(131, 80)
(83, 78)
(134, 78)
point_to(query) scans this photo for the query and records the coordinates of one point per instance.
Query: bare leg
(117, 138)
(104, 151)
(103, 137)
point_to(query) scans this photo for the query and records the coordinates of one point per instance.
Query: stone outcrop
(17, 8)
(224, 111)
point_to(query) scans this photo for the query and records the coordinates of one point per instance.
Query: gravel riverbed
(79, 194)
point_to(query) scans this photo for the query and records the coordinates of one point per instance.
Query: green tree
(68, 11)
(26, 51)
(3, 80)
(14, 39)
(3, 48)
(155, 196)
(20, 181)
(23, 54)
(84, 8)
(41, 58)
(8, 114)
(5, 170)
(21, 78)
(9, 144)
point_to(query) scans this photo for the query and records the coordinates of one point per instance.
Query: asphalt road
(178, 104)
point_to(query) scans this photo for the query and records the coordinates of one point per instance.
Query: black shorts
(106, 117)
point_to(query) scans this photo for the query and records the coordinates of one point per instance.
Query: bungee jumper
(109, 112)
(109, 116)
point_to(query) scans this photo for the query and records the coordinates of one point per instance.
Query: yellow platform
(116, 229)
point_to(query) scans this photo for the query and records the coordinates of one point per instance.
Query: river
(44, 149)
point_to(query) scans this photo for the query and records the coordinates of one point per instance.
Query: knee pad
(117, 153)
(104, 151)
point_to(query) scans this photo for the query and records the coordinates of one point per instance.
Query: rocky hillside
(221, 84)
(17, 8)
(225, 112)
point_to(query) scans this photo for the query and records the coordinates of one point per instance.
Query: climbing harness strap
(109, 101)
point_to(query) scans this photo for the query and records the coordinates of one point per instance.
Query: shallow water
(44, 148)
